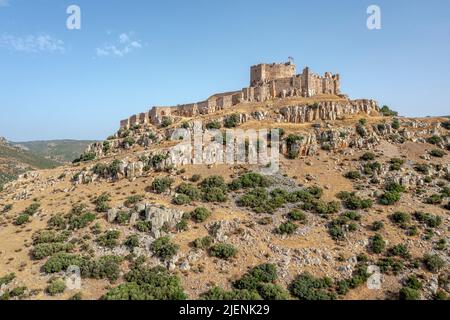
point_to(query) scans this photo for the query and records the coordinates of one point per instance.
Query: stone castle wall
(267, 81)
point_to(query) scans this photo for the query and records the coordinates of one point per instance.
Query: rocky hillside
(358, 210)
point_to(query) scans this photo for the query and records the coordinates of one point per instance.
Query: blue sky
(130, 55)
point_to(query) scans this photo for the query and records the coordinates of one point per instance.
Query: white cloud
(32, 43)
(123, 45)
(4, 3)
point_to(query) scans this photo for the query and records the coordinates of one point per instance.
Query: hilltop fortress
(267, 81)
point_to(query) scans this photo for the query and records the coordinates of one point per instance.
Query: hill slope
(57, 150)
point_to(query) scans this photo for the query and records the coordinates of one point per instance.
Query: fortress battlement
(267, 81)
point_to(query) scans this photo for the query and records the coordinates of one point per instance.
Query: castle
(267, 81)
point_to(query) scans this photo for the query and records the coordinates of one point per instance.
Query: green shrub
(22, 219)
(164, 248)
(161, 185)
(428, 219)
(143, 226)
(195, 178)
(109, 239)
(132, 200)
(231, 121)
(79, 218)
(123, 217)
(166, 122)
(213, 125)
(434, 140)
(438, 153)
(43, 250)
(413, 282)
(422, 168)
(377, 225)
(181, 200)
(400, 218)
(387, 112)
(395, 124)
(269, 291)
(56, 287)
(306, 287)
(7, 208)
(377, 243)
(132, 241)
(400, 250)
(433, 263)
(250, 180)
(223, 251)
(61, 261)
(368, 156)
(297, 215)
(189, 190)
(286, 228)
(354, 202)
(353, 175)
(396, 164)
(407, 293)
(5, 280)
(148, 284)
(390, 198)
(203, 243)
(390, 265)
(200, 214)
(394, 187)
(217, 293)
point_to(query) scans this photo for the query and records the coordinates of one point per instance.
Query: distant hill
(15, 160)
(61, 151)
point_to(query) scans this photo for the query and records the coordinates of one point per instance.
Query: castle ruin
(267, 81)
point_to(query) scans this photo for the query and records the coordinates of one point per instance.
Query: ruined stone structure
(267, 81)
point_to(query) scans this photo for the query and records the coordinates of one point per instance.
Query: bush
(161, 185)
(428, 219)
(123, 217)
(56, 287)
(5, 280)
(433, 263)
(200, 214)
(213, 125)
(132, 200)
(132, 241)
(143, 226)
(400, 250)
(422, 168)
(377, 225)
(377, 244)
(79, 218)
(390, 198)
(306, 287)
(438, 153)
(395, 187)
(250, 180)
(217, 293)
(353, 175)
(297, 215)
(232, 121)
(434, 140)
(203, 243)
(434, 199)
(181, 199)
(189, 190)
(387, 112)
(269, 291)
(43, 250)
(396, 164)
(164, 248)
(109, 239)
(166, 122)
(22, 219)
(413, 282)
(195, 178)
(354, 202)
(407, 293)
(368, 156)
(286, 228)
(395, 124)
(400, 218)
(148, 284)
(223, 251)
